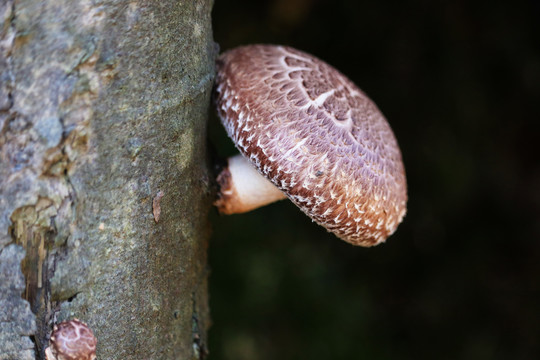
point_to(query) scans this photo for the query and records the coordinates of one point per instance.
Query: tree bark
(104, 180)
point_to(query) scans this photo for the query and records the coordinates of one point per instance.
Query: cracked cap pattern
(73, 340)
(316, 136)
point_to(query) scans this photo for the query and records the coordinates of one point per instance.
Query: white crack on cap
(316, 136)
(72, 340)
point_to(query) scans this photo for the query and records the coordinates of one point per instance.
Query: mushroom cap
(316, 136)
(73, 340)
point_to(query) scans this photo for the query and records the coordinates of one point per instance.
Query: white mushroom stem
(243, 188)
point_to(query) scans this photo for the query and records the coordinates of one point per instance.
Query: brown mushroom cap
(72, 340)
(315, 136)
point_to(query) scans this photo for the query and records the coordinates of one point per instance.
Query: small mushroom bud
(71, 340)
(306, 132)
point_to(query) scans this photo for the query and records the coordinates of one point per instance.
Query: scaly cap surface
(316, 136)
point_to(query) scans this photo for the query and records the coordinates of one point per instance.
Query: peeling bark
(102, 106)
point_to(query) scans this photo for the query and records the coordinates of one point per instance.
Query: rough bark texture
(103, 105)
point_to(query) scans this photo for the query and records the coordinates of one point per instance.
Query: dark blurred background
(459, 82)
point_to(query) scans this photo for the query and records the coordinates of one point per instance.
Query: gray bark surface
(103, 106)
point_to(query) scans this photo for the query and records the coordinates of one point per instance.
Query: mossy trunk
(104, 181)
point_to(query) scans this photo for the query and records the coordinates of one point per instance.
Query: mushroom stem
(243, 189)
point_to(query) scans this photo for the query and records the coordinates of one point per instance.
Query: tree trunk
(104, 182)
